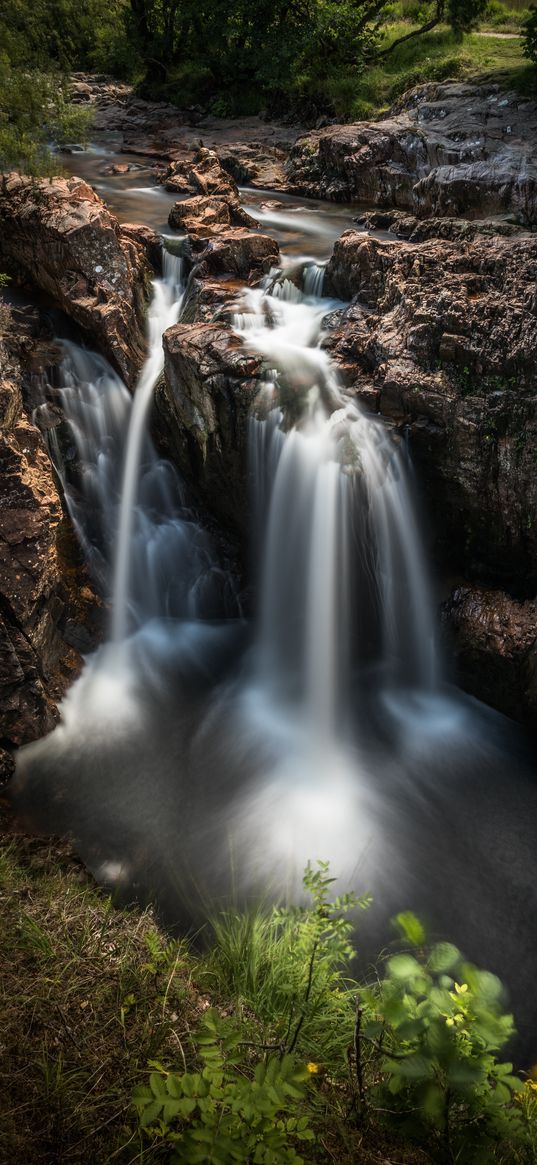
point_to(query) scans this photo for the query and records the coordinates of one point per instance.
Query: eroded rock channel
(311, 368)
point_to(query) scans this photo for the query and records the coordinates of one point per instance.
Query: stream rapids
(203, 757)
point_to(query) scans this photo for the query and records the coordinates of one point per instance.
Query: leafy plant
(220, 1115)
(433, 1027)
(289, 967)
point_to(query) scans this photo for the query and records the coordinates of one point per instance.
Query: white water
(145, 550)
(340, 525)
(164, 311)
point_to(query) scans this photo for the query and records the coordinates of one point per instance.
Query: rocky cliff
(44, 593)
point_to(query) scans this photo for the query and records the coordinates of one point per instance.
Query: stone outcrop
(444, 149)
(259, 166)
(59, 236)
(202, 175)
(440, 338)
(237, 251)
(44, 592)
(204, 402)
(495, 638)
(207, 214)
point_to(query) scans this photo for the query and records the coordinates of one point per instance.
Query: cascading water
(164, 311)
(195, 760)
(129, 507)
(321, 458)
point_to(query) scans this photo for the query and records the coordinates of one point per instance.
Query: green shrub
(289, 967)
(435, 1025)
(220, 1115)
(34, 114)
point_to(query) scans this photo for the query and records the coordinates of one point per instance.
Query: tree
(530, 34)
(462, 15)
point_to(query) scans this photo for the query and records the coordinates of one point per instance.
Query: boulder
(495, 638)
(440, 338)
(58, 235)
(237, 251)
(444, 149)
(204, 402)
(257, 165)
(206, 214)
(202, 175)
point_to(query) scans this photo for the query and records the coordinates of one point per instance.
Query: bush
(34, 114)
(219, 1115)
(435, 1024)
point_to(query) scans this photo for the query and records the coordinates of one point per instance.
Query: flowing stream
(203, 757)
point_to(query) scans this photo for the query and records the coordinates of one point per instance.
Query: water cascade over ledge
(213, 755)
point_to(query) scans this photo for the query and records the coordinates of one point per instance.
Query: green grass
(92, 996)
(436, 56)
(84, 1006)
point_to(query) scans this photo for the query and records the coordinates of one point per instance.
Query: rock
(204, 400)
(39, 589)
(57, 234)
(440, 338)
(444, 149)
(206, 214)
(495, 638)
(402, 225)
(147, 239)
(256, 165)
(237, 251)
(204, 175)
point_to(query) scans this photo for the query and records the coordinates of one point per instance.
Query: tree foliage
(530, 34)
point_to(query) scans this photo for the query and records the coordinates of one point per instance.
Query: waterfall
(313, 280)
(339, 521)
(129, 507)
(164, 311)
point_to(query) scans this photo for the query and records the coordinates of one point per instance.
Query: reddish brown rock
(204, 175)
(58, 235)
(441, 339)
(45, 598)
(147, 239)
(257, 165)
(206, 214)
(237, 251)
(495, 638)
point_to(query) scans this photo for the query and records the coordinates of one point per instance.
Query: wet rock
(237, 252)
(495, 639)
(204, 175)
(206, 214)
(441, 337)
(36, 664)
(147, 239)
(205, 400)
(444, 149)
(403, 225)
(59, 235)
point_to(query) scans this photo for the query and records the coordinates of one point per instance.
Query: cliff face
(44, 593)
(440, 338)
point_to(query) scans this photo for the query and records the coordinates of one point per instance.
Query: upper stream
(203, 757)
